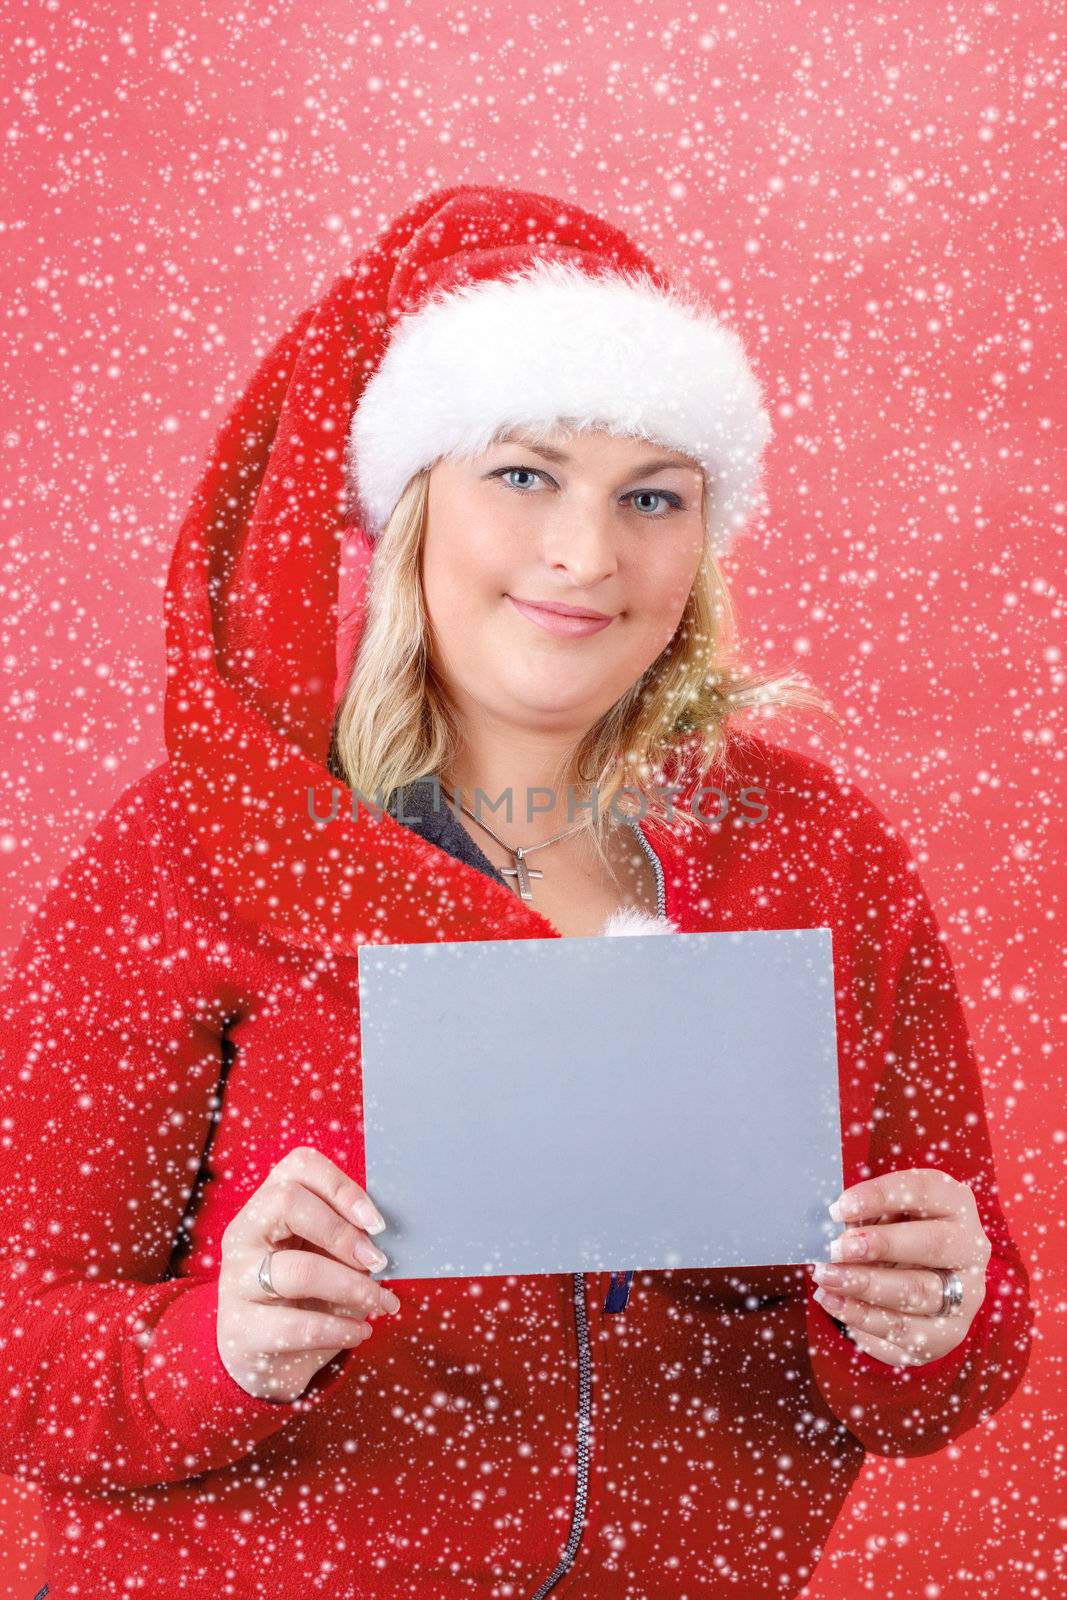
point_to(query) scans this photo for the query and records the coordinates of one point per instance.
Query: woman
(189, 1231)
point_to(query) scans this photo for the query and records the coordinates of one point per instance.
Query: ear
(629, 920)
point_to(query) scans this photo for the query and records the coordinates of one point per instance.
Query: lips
(568, 624)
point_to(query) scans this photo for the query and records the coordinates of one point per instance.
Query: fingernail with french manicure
(370, 1255)
(369, 1217)
(849, 1247)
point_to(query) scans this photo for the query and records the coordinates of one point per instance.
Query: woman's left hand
(880, 1280)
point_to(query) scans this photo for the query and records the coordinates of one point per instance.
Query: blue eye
(531, 472)
(673, 501)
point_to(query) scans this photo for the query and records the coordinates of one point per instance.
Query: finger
(321, 1176)
(915, 1191)
(290, 1330)
(916, 1290)
(930, 1243)
(283, 1209)
(891, 1354)
(302, 1275)
(326, 1179)
(921, 1338)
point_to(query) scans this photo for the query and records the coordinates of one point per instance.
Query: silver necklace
(518, 853)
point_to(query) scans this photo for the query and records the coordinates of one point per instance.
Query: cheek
(666, 590)
(462, 593)
(459, 566)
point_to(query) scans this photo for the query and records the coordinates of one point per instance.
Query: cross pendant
(524, 873)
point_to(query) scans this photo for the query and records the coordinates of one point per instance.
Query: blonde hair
(394, 724)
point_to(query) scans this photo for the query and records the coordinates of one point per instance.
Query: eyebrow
(646, 467)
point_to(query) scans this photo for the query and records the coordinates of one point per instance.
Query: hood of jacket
(251, 614)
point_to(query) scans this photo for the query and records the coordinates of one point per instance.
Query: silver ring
(951, 1292)
(264, 1276)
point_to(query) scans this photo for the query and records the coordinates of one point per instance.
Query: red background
(870, 196)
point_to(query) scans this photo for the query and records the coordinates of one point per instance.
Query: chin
(564, 709)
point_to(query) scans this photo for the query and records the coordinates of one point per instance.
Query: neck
(521, 794)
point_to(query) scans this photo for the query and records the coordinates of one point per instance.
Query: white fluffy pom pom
(630, 920)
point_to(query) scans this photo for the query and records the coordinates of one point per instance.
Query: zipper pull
(619, 1291)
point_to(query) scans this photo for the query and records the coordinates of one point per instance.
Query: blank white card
(601, 1104)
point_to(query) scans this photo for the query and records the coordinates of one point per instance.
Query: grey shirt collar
(423, 807)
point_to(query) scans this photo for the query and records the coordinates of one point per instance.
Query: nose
(582, 543)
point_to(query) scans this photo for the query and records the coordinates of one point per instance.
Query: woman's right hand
(316, 1221)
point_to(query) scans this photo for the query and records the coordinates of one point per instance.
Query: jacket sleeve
(111, 1376)
(925, 1109)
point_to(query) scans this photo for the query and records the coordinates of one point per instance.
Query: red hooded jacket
(183, 1010)
(161, 1054)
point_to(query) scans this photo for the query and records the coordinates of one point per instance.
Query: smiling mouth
(568, 623)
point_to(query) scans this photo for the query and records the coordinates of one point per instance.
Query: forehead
(563, 443)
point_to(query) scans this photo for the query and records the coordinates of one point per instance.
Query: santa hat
(389, 358)
(535, 315)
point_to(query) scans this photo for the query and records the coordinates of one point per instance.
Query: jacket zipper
(657, 866)
(581, 1481)
(618, 1295)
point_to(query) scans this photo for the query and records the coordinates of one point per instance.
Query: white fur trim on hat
(547, 345)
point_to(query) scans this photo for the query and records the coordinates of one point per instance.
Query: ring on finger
(263, 1276)
(951, 1292)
